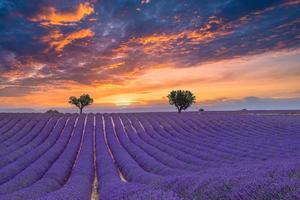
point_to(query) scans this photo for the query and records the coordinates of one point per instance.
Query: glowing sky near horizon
(132, 53)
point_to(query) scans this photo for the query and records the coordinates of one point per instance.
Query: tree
(81, 102)
(52, 112)
(182, 99)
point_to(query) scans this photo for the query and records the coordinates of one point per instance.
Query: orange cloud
(13, 74)
(161, 43)
(255, 75)
(133, 72)
(164, 43)
(115, 65)
(57, 40)
(52, 16)
(21, 69)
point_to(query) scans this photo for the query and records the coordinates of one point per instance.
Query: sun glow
(122, 102)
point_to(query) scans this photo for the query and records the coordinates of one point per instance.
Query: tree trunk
(179, 110)
(80, 110)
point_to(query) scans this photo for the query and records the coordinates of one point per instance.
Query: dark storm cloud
(88, 42)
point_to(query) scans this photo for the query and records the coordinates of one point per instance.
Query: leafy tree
(81, 102)
(182, 99)
(52, 111)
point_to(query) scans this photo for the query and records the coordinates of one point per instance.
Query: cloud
(57, 40)
(15, 91)
(51, 16)
(236, 9)
(253, 103)
(180, 43)
(111, 42)
(145, 1)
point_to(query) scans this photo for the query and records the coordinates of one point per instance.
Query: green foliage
(81, 102)
(52, 111)
(181, 99)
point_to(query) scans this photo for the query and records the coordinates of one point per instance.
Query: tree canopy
(81, 102)
(52, 111)
(181, 99)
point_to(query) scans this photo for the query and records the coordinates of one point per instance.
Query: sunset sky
(131, 53)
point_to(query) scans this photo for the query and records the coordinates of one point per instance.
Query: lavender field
(210, 155)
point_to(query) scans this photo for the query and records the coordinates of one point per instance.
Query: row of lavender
(150, 156)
